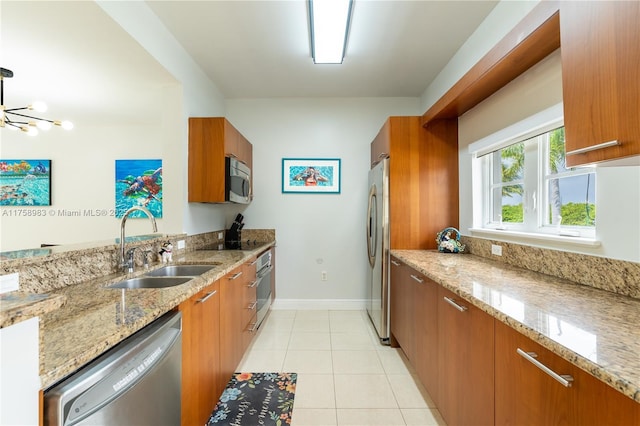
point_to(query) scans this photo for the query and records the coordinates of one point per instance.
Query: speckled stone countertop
(593, 329)
(95, 318)
(18, 306)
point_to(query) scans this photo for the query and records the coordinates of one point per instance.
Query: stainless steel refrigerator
(378, 249)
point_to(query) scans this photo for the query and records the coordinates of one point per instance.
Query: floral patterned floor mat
(252, 399)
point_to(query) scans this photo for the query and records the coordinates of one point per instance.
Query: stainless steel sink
(150, 282)
(180, 271)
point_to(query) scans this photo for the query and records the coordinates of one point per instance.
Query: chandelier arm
(29, 116)
(16, 109)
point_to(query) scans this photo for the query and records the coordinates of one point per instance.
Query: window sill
(577, 241)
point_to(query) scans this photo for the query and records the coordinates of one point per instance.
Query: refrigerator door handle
(372, 226)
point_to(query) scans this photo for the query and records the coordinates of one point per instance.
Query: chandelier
(18, 119)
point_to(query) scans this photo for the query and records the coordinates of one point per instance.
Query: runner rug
(252, 399)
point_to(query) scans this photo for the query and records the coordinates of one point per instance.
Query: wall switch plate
(323, 275)
(180, 244)
(220, 235)
(496, 249)
(9, 282)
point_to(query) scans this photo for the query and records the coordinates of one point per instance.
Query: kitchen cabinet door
(249, 303)
(202, 383)
(426, 324)
(466, 362)
(600, 79)
(231, 301)
(402, 300)
(211, 139)
(381, 145)
(527, 395)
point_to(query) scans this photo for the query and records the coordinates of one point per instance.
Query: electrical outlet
(496, 249)
(220, 236)
(9, 282)
(323, 275)
(180, 244)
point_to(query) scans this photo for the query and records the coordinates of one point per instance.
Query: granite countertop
(95, 318)
(593, 329)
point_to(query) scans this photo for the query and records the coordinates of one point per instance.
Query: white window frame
(535, 194)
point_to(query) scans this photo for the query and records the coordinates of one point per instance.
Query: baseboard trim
(319, 304)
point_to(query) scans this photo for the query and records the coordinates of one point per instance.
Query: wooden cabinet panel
(466, 362)
(426, 325)
(231, 296)
(526, 395)
(202, 382)
(423, 179)
(249, 303)
(402, 300)
(381, 145)
(211, 139)
(600, 79)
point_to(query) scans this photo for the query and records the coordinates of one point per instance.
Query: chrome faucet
(123, 261)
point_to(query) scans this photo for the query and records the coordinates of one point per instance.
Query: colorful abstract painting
(311, 175)
(139, 183)
(25, 182)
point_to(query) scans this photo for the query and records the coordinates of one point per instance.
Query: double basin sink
(167, 276)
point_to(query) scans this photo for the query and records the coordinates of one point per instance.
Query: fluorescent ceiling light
(329, 21)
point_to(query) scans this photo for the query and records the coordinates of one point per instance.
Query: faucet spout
(123, 260)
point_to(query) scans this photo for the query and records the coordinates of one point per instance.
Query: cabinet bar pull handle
(394, 263)
(252, 306)
(593, 147)
(417, 279)
(253, 328)
(254, 262)
(204, 299)
(236, 275)
(564, 379)
(454, 304)
(253, 284)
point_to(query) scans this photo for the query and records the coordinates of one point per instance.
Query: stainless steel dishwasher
(135, 383)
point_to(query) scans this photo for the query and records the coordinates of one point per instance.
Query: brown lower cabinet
(527, 395)
(465, 362)
(231, 315)
(202, 382)
(470, 365)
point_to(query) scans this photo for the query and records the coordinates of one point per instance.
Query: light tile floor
(345, 376)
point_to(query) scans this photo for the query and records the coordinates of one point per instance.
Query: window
(525, 186)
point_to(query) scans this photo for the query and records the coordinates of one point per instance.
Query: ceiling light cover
(329, 23)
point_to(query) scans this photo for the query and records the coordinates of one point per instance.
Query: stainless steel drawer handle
(204, 299)
(454, 304)
(420, 280)
(252, 306)
(253, 284)
(254, 262)
(564, 379)
(253, 328)
(236, 275)
(593, 147)
(394, 263)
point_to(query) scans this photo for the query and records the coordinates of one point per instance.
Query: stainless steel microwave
(237, 181)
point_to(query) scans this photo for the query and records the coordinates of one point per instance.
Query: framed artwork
(25, 182)
(315, 175)
(138, 183)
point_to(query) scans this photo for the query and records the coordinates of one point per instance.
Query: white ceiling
(77, 59)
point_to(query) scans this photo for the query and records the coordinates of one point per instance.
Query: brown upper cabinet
(600, 80)
(211, 139)
(423, 178)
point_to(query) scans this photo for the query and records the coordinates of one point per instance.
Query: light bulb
(43, 125)
(38, 106)
(67, 125)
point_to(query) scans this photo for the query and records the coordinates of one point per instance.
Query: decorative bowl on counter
(448, 243)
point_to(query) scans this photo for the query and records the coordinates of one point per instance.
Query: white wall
(315, 232)
(200, 98)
